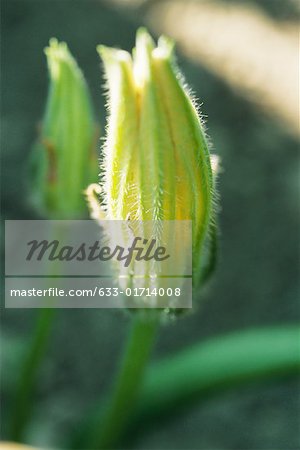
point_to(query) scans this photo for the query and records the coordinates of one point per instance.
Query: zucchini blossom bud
(156, 163)
(64, 160)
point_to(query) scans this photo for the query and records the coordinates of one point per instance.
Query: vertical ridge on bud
(121, 146)
(63, 159)
(150, 131)
(191, 152)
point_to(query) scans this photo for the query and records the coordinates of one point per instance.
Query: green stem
(128, 383)
(29, 369)
(28, 374)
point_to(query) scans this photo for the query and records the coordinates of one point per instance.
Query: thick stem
(128, 383)
(28, 374)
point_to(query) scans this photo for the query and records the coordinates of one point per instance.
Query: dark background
(257, 278)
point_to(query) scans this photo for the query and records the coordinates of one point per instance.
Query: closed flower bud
(64, 159)
(156, 163)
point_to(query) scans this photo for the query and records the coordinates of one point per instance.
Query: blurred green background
(257, 277)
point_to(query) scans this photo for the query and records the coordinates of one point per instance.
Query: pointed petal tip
(142, 33)
(165, 48)
(57, 50)
(144, 39)
(110, 54)
(166, 43)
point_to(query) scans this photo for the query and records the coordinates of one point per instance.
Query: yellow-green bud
(64, 160)
(156, 163)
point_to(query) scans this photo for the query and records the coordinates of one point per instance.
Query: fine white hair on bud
(156, 162)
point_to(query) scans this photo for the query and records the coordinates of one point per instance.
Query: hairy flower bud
(64, 159)
(156, 163)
